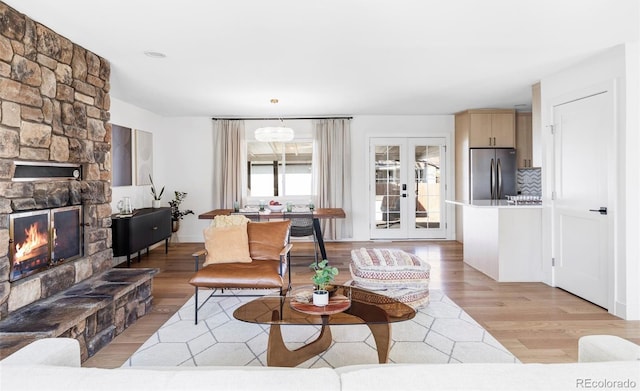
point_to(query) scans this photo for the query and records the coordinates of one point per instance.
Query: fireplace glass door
(43, 239)
(66, 232)
(30, 243)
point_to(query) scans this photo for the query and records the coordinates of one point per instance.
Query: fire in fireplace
(43, 239)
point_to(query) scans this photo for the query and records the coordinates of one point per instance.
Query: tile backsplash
(529, 181)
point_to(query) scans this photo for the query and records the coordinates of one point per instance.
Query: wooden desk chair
(253, 255)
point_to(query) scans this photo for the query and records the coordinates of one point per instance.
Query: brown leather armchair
(268, 248)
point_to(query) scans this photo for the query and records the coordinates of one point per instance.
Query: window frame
(296, 199)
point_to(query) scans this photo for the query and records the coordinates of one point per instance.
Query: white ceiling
(334, 57)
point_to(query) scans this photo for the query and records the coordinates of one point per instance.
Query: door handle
(602, 210)
(404, 195)
(499, 176)
(493, 179)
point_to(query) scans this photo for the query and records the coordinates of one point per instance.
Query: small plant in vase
(176, 213)
(323, 276)
(156, 196)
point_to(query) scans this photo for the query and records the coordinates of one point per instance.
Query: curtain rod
(277, 118)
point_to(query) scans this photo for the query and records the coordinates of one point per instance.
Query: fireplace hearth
(43, 239)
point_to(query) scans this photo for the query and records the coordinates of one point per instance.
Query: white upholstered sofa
(605, 362)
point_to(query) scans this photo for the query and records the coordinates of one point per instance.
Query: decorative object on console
(156, 196)
(323, 276)
(176, 213)
(125, 207)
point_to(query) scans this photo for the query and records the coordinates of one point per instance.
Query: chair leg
(315, 249)
(196, 305)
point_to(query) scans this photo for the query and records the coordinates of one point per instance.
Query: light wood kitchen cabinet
(524, 141)
(477, 129)
(492, 128)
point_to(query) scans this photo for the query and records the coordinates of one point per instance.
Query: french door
(407, 188)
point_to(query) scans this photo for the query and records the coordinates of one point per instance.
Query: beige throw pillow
(227, 243)
(225, 221)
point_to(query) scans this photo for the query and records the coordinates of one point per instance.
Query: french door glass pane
(387, 171)
(427, 177)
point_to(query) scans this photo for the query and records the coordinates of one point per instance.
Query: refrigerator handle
(493, 179)
(499, 174)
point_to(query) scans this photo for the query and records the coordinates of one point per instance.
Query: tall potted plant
(323, 275)
(156, 196)
(176, 213)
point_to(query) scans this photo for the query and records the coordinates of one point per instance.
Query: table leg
(318, 232)
(378, 322)
(279, 355)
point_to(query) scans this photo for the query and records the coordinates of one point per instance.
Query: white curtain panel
(333, 174)
(227, 162)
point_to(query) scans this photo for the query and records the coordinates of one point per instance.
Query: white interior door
(584, 173)
(408, 191)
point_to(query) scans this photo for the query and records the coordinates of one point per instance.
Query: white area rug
(441, 332)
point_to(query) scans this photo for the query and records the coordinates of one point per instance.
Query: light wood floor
(535, 322)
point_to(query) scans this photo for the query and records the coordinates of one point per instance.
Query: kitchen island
(503, 240)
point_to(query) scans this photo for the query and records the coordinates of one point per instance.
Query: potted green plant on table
(323, 276)
(176, 213)
(156, 196)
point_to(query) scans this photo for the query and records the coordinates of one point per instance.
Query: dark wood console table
(145, 227)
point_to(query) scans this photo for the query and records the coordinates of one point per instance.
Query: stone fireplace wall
(54, 107)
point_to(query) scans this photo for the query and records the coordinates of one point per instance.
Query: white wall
(182, 153)
(181, 161)
(363, 128)
(617, 66)
(127, 115)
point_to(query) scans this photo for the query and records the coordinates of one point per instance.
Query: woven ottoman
(391, 272)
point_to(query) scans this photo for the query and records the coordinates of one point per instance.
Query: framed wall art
(144, 157)
(121, 151)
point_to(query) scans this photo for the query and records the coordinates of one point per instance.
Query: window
(279, 169)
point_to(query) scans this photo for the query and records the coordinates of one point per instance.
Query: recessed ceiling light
(155, 54)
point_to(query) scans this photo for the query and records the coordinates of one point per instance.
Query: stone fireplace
(54, 111)
(55, 174)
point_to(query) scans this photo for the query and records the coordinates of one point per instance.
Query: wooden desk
(315, 215)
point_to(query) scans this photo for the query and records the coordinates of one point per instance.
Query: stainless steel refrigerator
(492, 173)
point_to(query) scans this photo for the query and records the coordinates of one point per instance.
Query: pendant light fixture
(274, 133)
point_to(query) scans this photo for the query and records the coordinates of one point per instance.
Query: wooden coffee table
(365, 307)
